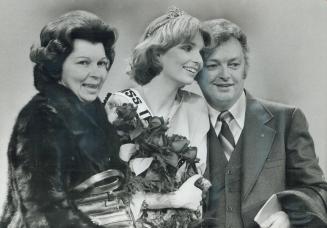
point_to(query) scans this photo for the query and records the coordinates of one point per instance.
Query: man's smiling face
(223, 75)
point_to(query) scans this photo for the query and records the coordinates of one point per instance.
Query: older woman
(167, 59)
(62, 136)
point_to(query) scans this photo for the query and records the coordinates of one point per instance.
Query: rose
(157, 140)
(157, 124)
(126, 112)
(178, 143)
(189, 153)
(139, 129)
(126, 119)
(123, 125)
(203, 184)
(171, 159)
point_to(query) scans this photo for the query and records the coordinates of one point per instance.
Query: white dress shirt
(236, 124)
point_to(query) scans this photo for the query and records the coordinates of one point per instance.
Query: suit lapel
(258, 139)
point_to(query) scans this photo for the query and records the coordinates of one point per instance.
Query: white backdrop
(288, 51)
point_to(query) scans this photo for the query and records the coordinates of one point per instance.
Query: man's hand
(277, 220)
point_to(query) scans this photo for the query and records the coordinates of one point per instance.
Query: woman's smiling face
(85, 69)
(182, 62)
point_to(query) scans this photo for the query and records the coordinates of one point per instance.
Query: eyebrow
(213, 60)
(105, 57)
(232, 59)
(81, 57)
(86, 57)
(235, 59)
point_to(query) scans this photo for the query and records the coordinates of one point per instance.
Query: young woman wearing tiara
(166, 59)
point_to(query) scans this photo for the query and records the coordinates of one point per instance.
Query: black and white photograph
(177, 113)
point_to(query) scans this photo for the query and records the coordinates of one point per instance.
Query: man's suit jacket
(278, 154)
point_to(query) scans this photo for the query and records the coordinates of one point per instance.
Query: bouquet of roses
(159, 164)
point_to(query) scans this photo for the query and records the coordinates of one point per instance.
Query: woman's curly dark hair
(57, 39)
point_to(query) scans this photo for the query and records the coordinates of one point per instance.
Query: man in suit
(256, 148)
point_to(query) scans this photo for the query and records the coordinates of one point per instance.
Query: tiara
(172, 13)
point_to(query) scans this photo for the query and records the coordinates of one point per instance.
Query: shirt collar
(237, 110)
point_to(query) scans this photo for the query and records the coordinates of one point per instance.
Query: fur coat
(57, 142)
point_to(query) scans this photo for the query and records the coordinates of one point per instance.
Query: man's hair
(162, 34)
(57, 38)
(221, 30)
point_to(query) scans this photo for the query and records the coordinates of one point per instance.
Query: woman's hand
(188, 195)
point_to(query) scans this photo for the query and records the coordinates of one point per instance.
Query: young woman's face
(182, 62)
(85, 69)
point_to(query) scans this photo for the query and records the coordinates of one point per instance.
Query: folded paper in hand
(270, 207)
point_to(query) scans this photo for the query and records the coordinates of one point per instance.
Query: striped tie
(225, 136)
